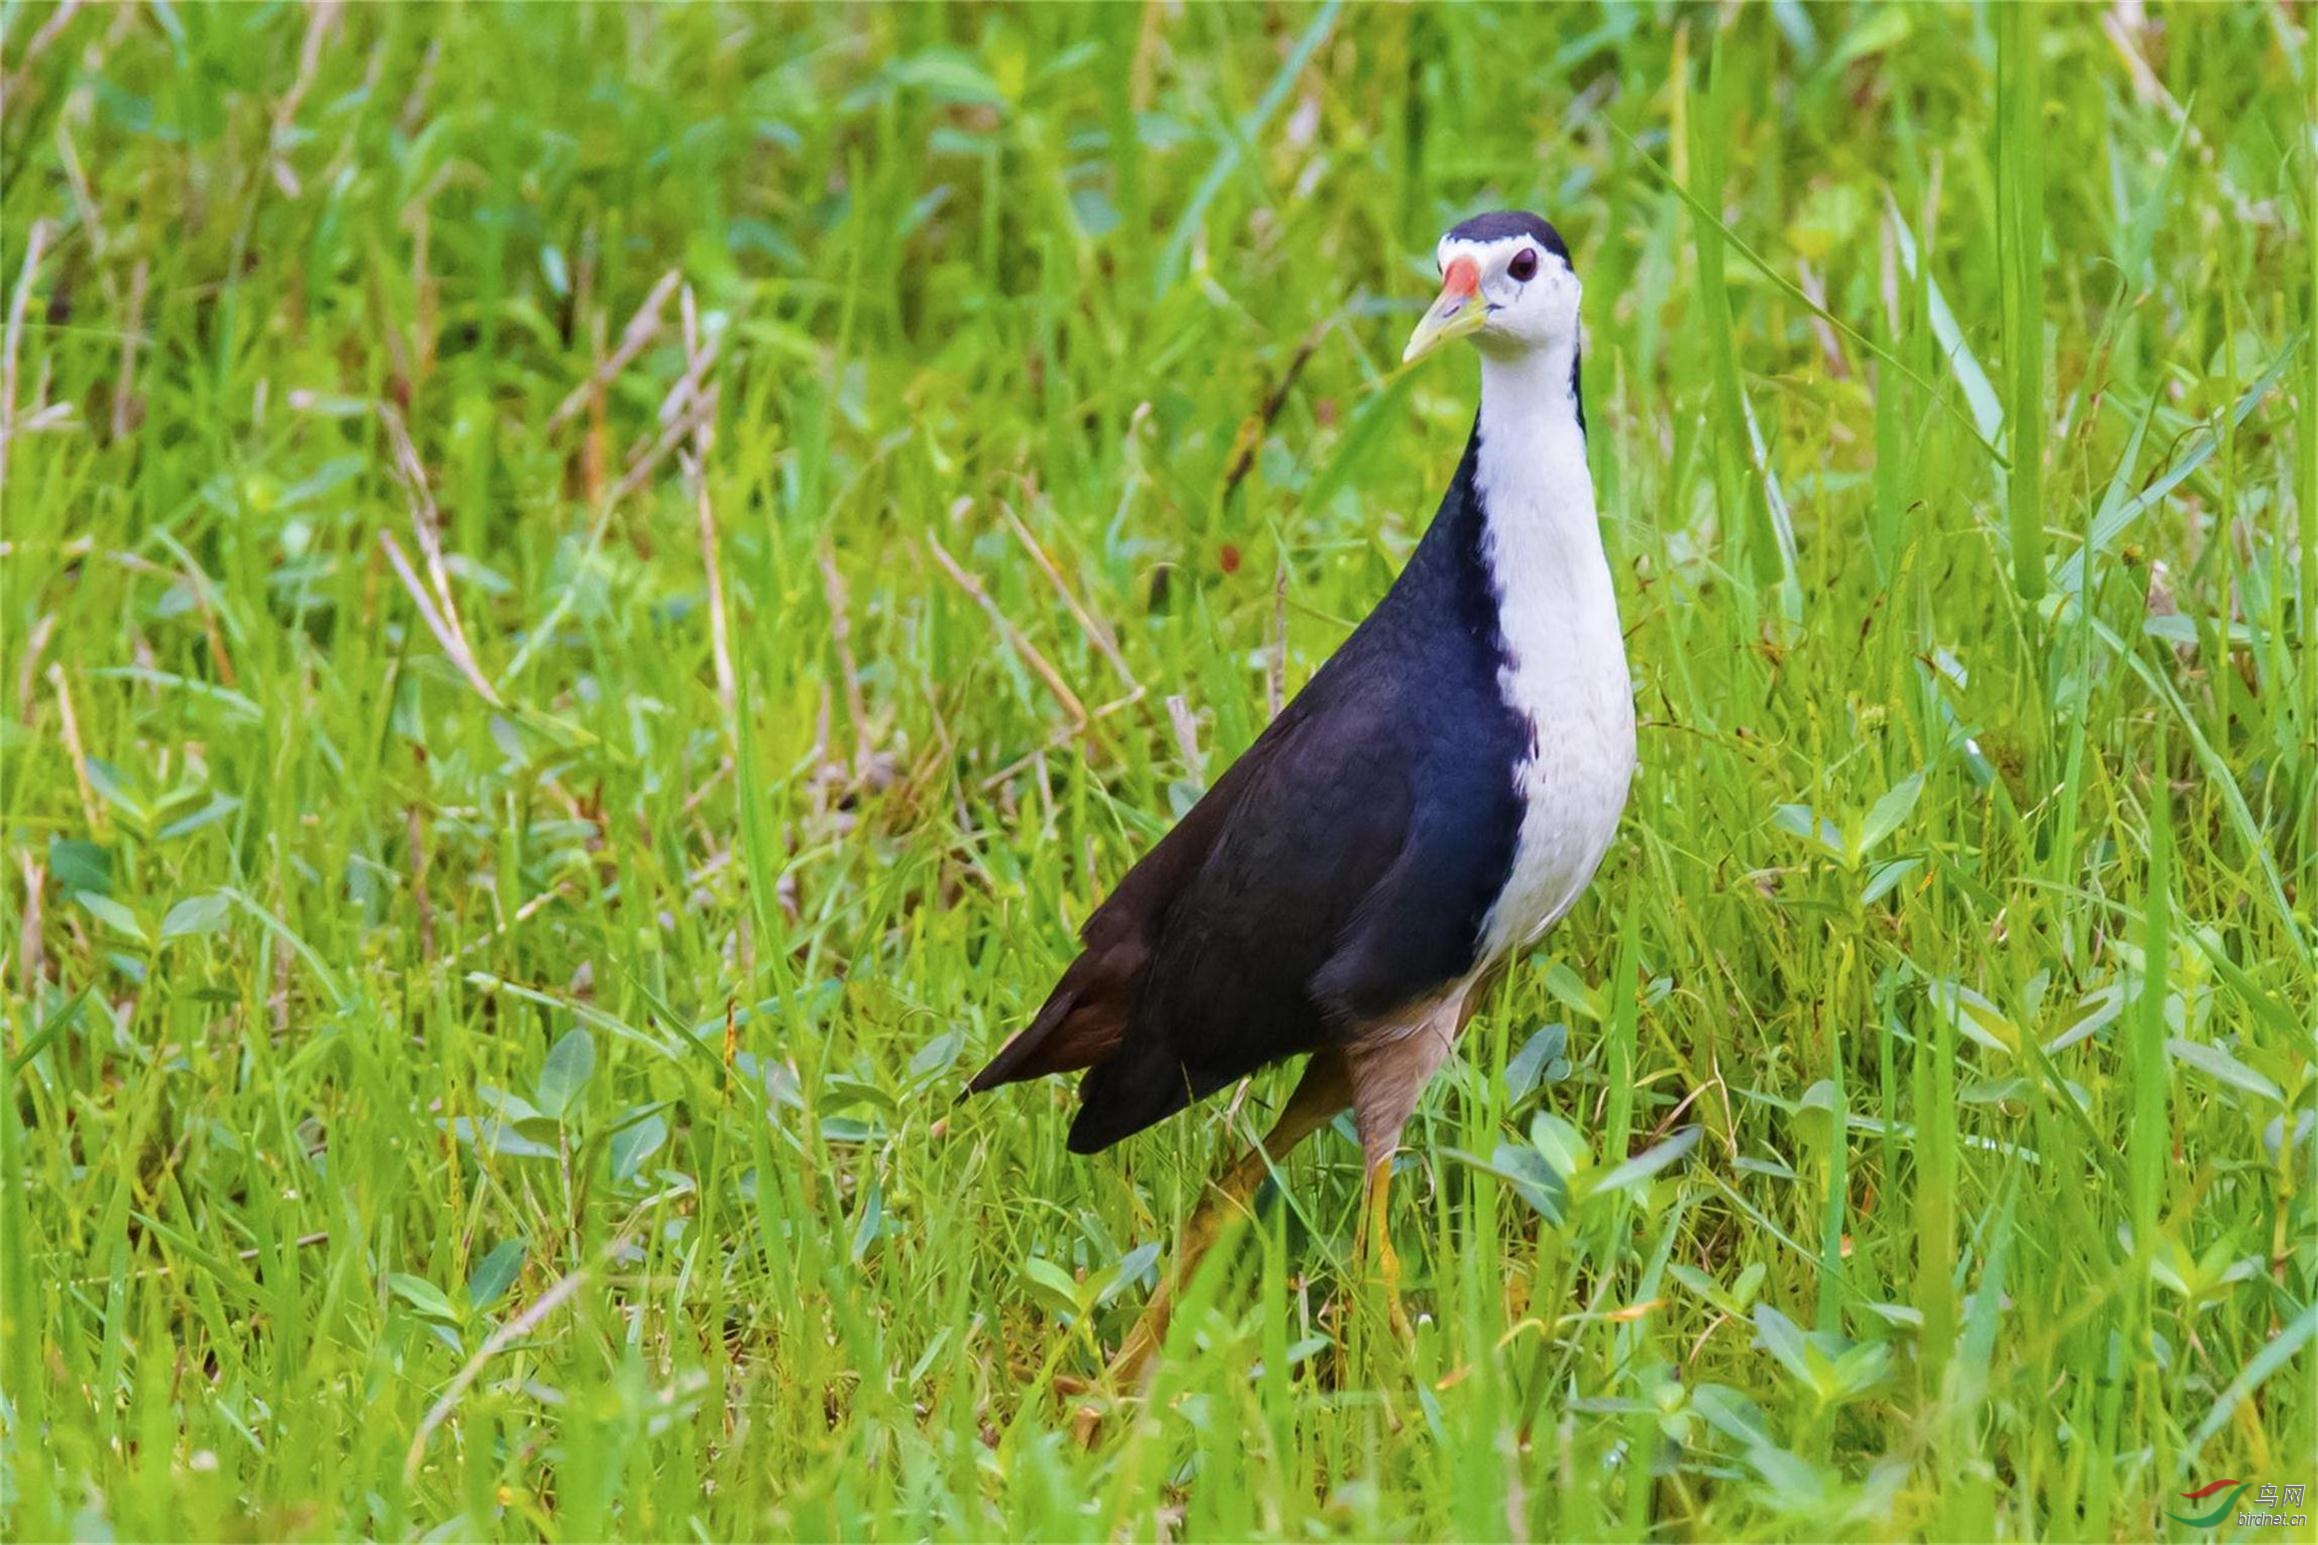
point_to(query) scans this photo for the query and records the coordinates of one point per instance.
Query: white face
(1531, 295)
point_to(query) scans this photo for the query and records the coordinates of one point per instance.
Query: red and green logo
(2208, 1520)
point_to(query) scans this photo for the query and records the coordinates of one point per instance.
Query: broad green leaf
(1640, 1168)
(1055, 1285)
(75, 864)
(570, 1063)
(1974, 1017)
(1887, 878)
(500, 1137)
(1129, 1270)
(423, 1296)
(106, 779)
(947, 75)
(113, 915)
(219, 807)
(514, 1107)
(1525, 1170)
(1733, 1300)
(1697, 1281)
(196, 915)
(1804, 822)
(1784, 1340)
(1571, 991)
(1886, 814)
(1529, 1064)
(2099, 1009)
(494, 1274)
(2216, 1063)
(1880, 29)
(870, 1226)
(1559, 1144)
(1859, 1370)
(636, 1142)
(937, 1055)
(1732, 1413)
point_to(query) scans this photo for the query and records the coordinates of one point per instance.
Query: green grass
(485, 1067)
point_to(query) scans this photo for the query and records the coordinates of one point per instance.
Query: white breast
(1566, 669)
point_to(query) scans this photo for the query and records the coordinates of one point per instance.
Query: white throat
(1565, 669)
(1533, 453)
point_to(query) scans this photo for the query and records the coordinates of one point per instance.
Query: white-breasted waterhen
(1439, 793)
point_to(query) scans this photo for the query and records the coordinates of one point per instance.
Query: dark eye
(1524, 265)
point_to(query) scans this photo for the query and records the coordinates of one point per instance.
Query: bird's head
(1506, 283)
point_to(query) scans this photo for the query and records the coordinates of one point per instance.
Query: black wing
(1351, 874)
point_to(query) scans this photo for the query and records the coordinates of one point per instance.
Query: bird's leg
(1390, 1067)
(1380, 1251)
(1323, 1091)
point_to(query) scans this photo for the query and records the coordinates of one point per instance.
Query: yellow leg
(1389, 1070)
(1380, 1250)
(1322, 1092)
(1226, 1201)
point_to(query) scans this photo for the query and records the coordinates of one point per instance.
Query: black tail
(1080, 1025)
(1018, 1058)
(1142, 1085)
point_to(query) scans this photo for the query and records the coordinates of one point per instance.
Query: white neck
(1532, 450)
(1557, 612)
(1544, 539)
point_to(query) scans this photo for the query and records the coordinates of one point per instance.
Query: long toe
(1132, 1362)
(1388, 1277)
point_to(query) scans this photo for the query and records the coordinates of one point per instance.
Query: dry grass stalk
(1097, 634)
(33, 247)
(642, 328)
(1014, 636)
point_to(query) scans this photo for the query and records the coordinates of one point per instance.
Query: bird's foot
(1376, 1246)
(1086, 1425)
(1230, 1199)
(1132, 1362)
(1129, 1369)
(1388, 1278)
